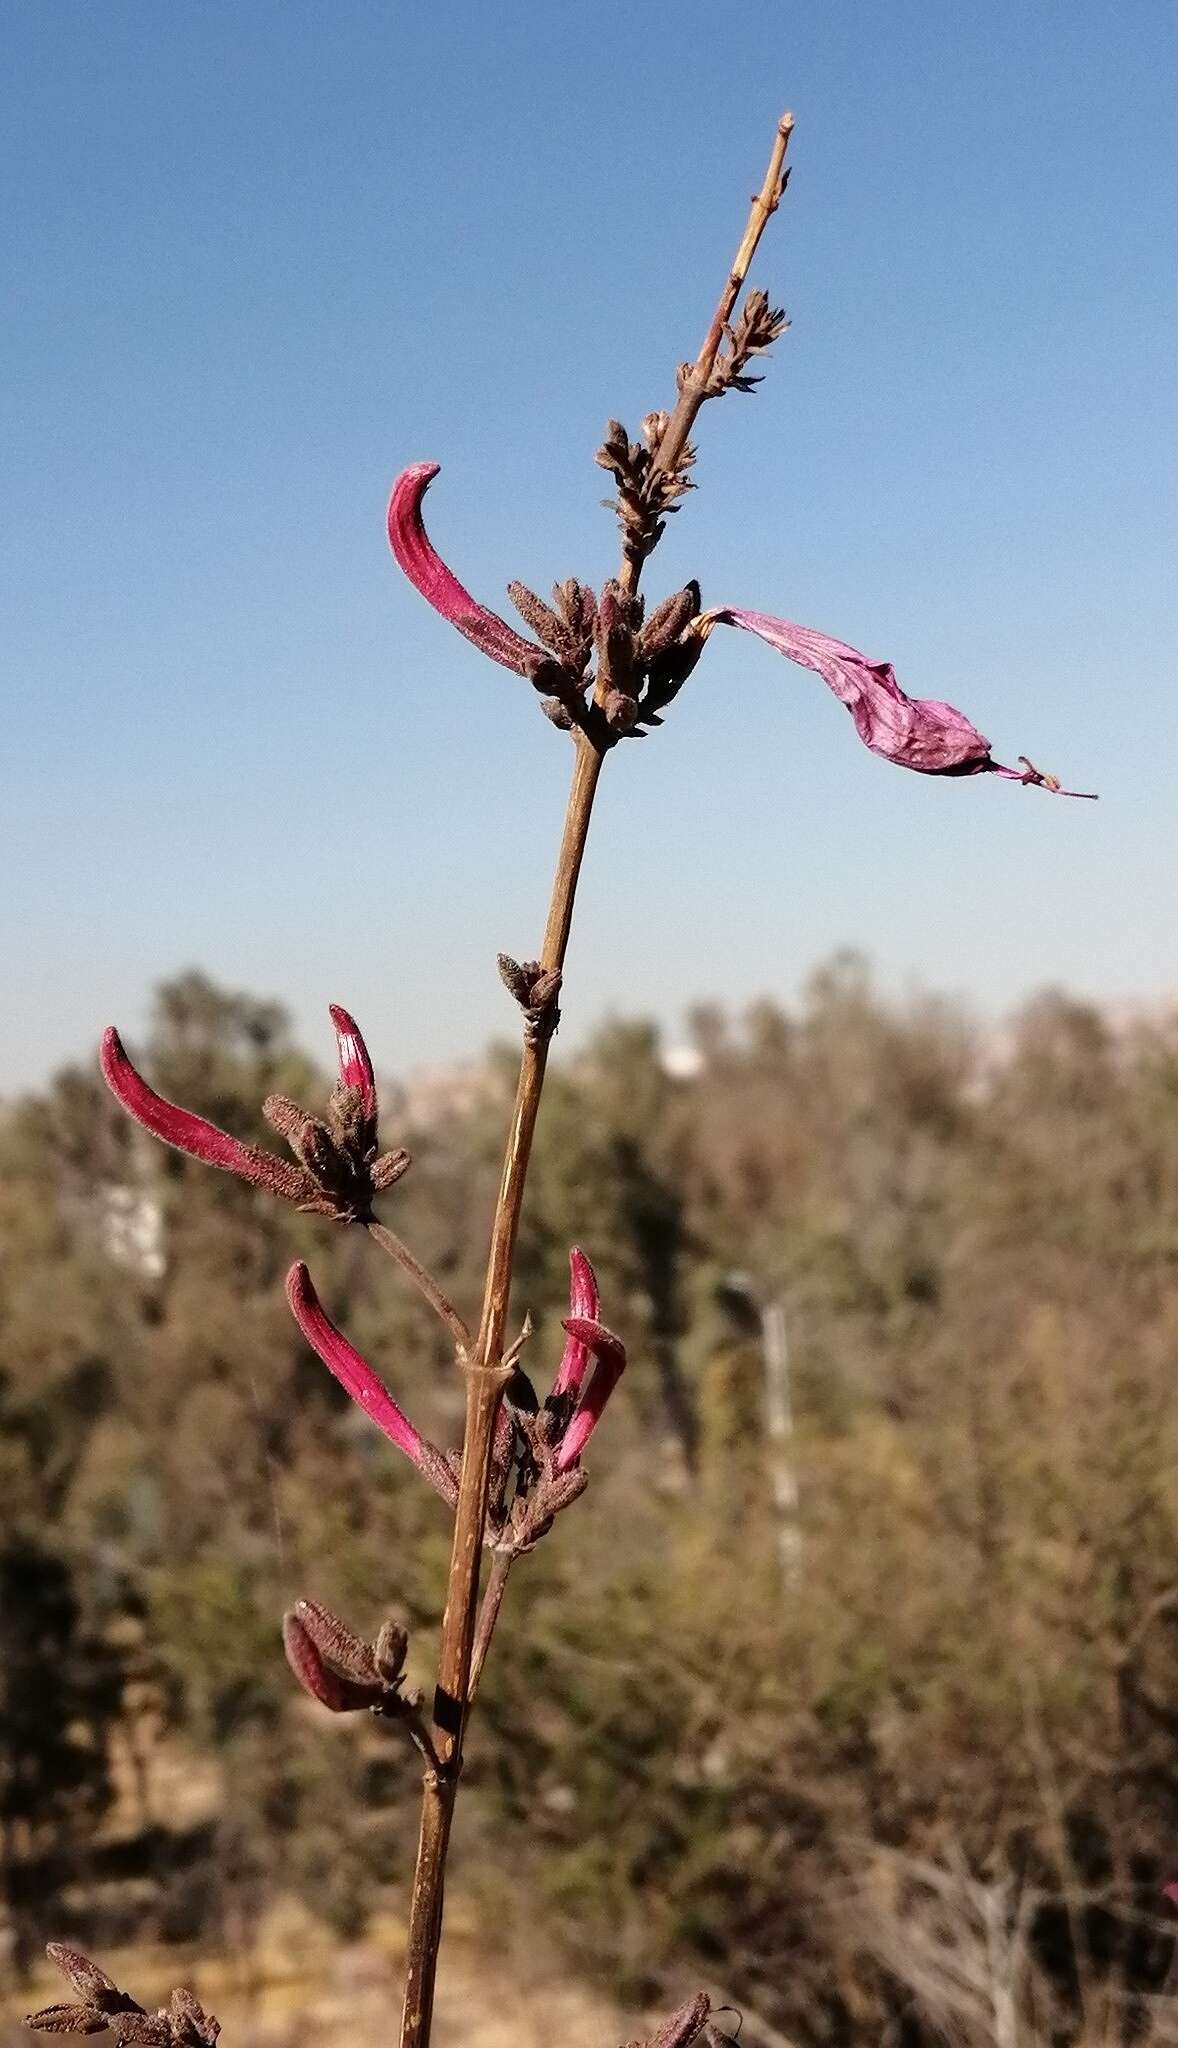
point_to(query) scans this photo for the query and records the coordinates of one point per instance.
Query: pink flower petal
(359, 1380)
(584, 1301)
(355, 1067)
(609, 1354)
(440, 587)
(194, 1134)
(914, 732)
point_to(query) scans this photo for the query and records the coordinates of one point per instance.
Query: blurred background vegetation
(892, 1761)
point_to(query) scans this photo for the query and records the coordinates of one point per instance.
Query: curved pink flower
(609, 1356)
(584, 1302)
(439, 586)
(359, 1380)
(195, 1134)
(337, 1174)
(355, 1067)
(914, 732)
(585, 1339)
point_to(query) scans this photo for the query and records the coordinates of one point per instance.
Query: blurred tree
(965, 1704)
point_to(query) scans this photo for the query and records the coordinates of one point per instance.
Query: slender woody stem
(440, 1303)
(460, 1662)
(765, 202)
(492, 1601)
(486, 1377)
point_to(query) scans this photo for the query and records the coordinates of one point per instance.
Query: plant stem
(535, 1056)
(485, 1379)
(440, 1303)
(765, 202)
(486, 1374)
(492, 1601)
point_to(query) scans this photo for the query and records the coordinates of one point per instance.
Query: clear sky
(260, 254)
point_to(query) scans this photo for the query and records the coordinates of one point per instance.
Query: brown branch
(486, 1374)
(440, 1303)
(486, 1378)
(765, 202)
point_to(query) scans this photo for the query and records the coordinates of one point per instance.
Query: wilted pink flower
(428, 573)
(359, 1380)
(194, 1134)
(587, 1339)
(1170, 1891)
(915, 732)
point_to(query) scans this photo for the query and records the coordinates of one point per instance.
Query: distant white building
(132, 1229)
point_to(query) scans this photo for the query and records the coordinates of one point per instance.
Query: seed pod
(515, 978)
(147, 2030)
(621, 712)
(69, 2019)
(668, 620)
(544, 623)
(338, 1695)
(683, 2026)
(389, 1651)
(92, 1985)
(314, 1146)
(337, 1645)
(284, 1116)
(387, 1170)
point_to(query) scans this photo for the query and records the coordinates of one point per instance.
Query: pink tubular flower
(584, 1302)
(609, 1355)
(586, 1338)
(194, 1134)
(914, 732)
(338, 1172)
(355, 1067)
(439, 586)
(359, 1380)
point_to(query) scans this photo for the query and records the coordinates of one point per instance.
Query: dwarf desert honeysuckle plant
(607, 671)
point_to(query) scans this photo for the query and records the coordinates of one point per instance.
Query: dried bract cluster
(648, 492)
(535, 988)
(756, 328)
(682, 2028)
(182, 2023)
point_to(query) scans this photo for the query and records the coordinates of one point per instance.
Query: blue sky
(258, 257)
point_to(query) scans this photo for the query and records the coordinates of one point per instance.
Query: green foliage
(698, 1756)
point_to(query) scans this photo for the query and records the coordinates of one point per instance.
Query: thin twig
(414, 1723)
(764, 204)
(440, 1303)
(492, 1601)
